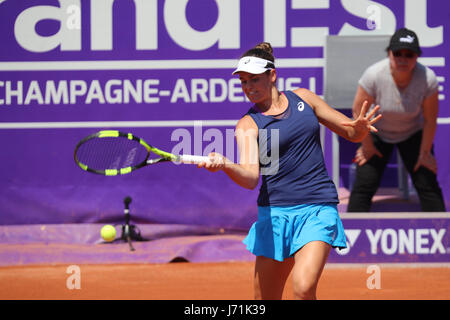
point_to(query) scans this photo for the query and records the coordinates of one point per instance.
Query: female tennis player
(298, 222)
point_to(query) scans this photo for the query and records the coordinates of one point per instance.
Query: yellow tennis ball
(108, 233)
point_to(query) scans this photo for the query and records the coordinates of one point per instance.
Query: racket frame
(164, 156)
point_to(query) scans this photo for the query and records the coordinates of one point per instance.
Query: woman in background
(407, 93)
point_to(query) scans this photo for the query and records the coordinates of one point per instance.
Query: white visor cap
(254, 65)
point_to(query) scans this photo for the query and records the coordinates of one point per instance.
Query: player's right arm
(246, 172)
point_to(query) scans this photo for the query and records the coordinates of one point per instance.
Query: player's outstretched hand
(363, 124)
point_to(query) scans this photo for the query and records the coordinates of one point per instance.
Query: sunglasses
(408, 55)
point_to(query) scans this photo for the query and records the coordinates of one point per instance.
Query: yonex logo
(300, 106)
(408, 39)
(351, 235)
(391, 241)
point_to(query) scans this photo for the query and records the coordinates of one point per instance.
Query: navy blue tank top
(291, 159)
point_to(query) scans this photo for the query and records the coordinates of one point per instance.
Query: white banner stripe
(443, 120)
(118, 124)
(394, 215)
(171, 64)
(147, 64)
(132, 124)
(432, 61)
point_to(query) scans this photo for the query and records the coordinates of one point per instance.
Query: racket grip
(191, 159)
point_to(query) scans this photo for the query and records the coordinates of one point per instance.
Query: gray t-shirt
(401, 109)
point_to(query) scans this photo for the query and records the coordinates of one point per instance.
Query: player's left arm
(430, 107)
(353, 130)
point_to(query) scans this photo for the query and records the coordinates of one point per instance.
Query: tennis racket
(112, 153)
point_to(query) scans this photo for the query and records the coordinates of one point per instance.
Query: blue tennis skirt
(280, 232)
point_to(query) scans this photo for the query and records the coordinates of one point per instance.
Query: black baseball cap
(405, 39)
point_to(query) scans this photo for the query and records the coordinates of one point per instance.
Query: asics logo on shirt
(300, 106)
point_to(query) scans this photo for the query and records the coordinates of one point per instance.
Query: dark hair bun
(262, 50)
(265, 46)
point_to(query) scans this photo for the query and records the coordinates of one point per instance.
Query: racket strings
(111, 153)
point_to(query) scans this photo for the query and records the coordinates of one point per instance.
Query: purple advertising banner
(381, 238)
(162, 70)
(394, 238)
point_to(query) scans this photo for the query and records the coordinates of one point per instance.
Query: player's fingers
(378, 117)
(201, 164)
(373, 111)
(215, 157)
(363, 109)
(212, 158)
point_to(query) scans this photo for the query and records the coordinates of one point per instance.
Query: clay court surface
(213, 281)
